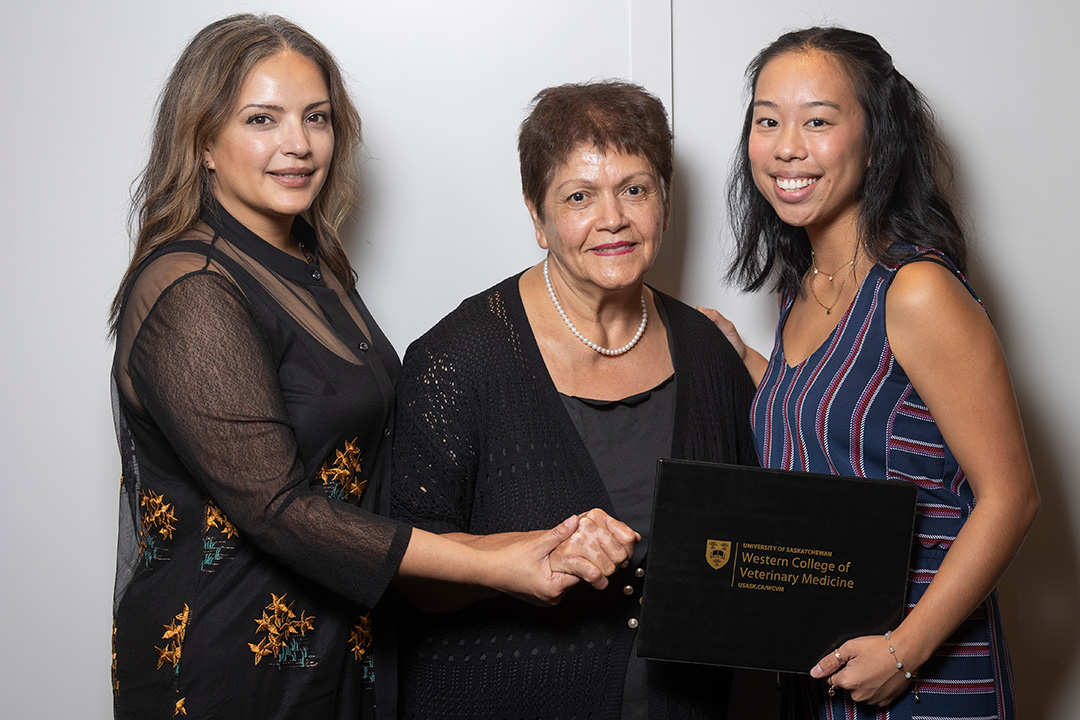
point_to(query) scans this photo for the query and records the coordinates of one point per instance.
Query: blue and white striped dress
(849, 409)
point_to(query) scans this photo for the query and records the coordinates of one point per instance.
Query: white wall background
(441, 87)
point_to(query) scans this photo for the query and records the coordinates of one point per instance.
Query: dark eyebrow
(811, 104)
(636, 176)
(824, 103)
(572, 182)
(278, 108)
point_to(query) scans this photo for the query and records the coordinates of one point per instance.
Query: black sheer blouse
(254, 411)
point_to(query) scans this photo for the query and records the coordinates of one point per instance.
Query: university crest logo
(717, 553)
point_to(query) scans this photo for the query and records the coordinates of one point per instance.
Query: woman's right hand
(541, 566)
(596, 549)
(445, 572)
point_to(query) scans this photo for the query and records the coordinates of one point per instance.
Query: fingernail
(817, 672)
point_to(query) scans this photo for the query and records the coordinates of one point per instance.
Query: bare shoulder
(927, 293)
(921, 286)
(929, 311)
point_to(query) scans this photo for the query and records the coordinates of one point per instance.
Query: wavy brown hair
(194, 106)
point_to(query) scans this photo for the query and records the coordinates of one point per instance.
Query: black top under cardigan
(484, 445)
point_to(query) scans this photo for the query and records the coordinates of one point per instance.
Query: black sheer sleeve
(201, 370)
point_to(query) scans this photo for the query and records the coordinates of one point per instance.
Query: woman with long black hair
(885, 364)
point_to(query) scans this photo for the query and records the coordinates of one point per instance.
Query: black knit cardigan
(483, 444)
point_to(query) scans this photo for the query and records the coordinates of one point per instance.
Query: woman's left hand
(865, 669)
(596, 549)
(756, 363)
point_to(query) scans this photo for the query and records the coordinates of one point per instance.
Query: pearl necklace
(598, 348)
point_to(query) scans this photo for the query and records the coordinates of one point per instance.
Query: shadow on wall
(667, 272)
(356, 232)
(1040, 593)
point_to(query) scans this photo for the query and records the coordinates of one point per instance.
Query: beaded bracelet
(900, 666)
(892, 651)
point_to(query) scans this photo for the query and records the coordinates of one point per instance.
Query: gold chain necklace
(813, 265)
(850, 264)
(308, 257)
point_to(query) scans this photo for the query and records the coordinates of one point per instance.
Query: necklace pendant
(828, 311)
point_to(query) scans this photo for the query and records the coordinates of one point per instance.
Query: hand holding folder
(771, 569)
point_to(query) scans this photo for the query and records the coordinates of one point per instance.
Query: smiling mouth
(615, 248)
(791, 184)
(293, 174)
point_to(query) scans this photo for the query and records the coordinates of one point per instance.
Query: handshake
(536, 566)
(588, 547)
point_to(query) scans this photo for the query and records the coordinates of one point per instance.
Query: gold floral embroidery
(282, 629)
(174, 633)
(115, 682)
(216, 547)
(216, 519)
(180, 709)
(360, 637)
(157, 515)
(344, 474)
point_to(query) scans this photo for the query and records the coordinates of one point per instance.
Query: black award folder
(771, 569)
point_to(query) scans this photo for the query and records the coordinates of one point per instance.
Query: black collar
(263, 252)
